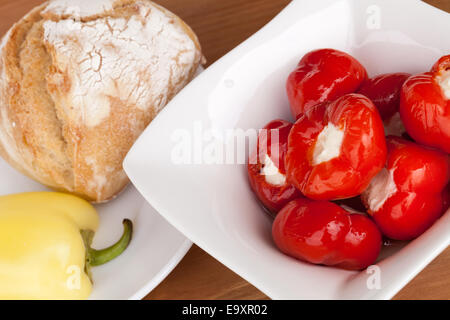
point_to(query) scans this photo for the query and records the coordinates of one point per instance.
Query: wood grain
(221, 25)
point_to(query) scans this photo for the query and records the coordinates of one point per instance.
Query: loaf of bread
(80, 80)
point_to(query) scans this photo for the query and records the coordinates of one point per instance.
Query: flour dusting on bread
(132, 59)
(79, 8)
(80, 80)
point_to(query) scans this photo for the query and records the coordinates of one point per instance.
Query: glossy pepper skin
(45, 248)
(321, 232)
(323, 75)
(411, 193)
(425, 106)
(272, 142)
(357, 159)
(384, 91)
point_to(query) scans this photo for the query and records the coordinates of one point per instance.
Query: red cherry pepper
(335, 150)
(384, 91)
(409, 194)
(268, 183)
(321, 232)
(425, 106)
(323, 75)
(446, 196)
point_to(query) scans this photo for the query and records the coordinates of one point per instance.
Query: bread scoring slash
(79, 82)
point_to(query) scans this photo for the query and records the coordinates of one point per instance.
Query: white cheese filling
(272, 173)
(328, 144)
(381, 188)
(444, 82)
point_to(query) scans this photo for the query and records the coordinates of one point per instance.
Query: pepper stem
(98, 257)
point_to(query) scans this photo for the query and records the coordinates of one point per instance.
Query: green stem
(99, 257)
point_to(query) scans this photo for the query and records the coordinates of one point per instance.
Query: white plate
(213, 204)
(155, 249)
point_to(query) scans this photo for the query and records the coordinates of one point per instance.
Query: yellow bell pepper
(45, 251)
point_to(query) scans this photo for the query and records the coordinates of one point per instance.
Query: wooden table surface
(221, 25)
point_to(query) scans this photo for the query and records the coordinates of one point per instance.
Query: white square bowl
(212, 204)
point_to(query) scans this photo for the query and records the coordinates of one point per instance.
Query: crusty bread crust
(77, 144)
